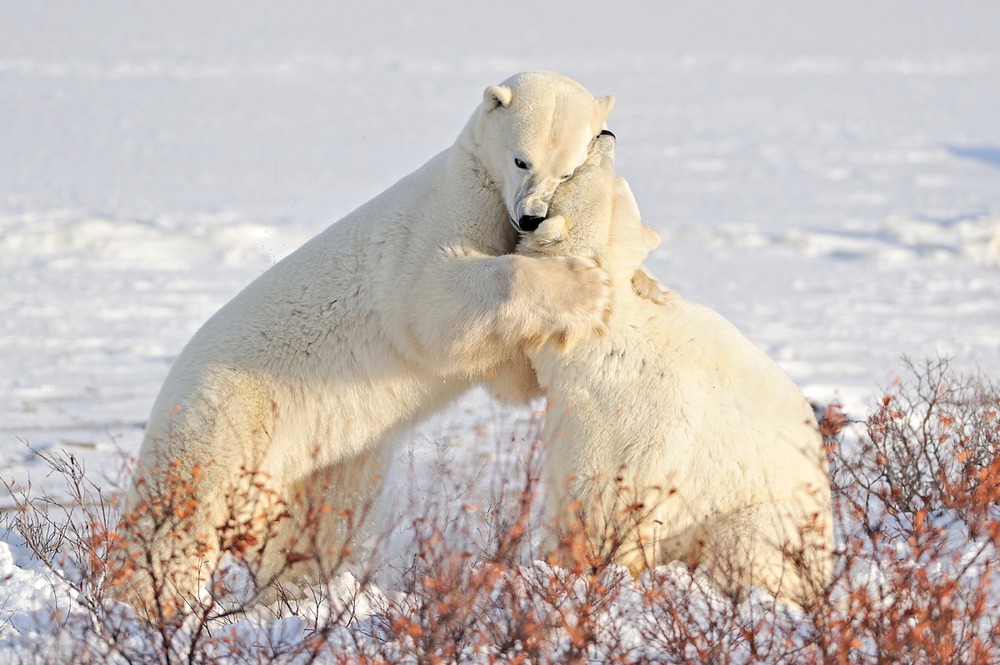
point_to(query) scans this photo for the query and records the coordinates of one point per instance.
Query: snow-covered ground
(826, 175)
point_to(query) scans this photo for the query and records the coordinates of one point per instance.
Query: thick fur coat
(673, 436)
(309, 374)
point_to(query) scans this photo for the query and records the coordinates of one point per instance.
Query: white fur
(312, 371)
(676, 410)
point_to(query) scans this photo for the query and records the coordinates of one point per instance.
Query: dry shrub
(932, 441)
(916, 500)
(93, 551)
(916, 510)
(918, 491)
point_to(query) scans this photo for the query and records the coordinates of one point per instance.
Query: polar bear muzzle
(529, 223)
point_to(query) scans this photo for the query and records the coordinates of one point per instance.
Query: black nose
(529, 222)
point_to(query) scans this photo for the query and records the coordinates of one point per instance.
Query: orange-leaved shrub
(917, 503)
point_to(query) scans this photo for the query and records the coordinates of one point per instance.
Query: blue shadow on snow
(986, 154)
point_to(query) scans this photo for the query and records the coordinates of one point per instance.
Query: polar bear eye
(566, 177)
(519, 163)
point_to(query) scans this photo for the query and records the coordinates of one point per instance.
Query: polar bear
(673, 436)
(293, 391)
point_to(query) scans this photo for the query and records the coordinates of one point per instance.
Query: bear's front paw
(648, 288)
(577, 299)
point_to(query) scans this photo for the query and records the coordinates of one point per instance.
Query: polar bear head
(531, 133)
(594, 214)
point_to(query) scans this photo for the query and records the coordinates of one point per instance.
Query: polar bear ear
(603, 106)
(497, 95)
(650, 238)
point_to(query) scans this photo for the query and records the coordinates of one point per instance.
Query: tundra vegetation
(916, 488)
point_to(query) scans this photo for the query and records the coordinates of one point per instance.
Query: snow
(823, 174)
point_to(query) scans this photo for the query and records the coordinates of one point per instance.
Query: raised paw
(570, 297)
(648, 288)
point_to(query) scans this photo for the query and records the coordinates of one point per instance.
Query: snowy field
(826, 175)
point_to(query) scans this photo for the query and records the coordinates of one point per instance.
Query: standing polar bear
(292, 392)
(673, 436)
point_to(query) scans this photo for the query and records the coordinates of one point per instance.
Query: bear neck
(467, 149)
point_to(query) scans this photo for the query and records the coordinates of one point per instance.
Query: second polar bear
(674, 437)
(292, 392)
